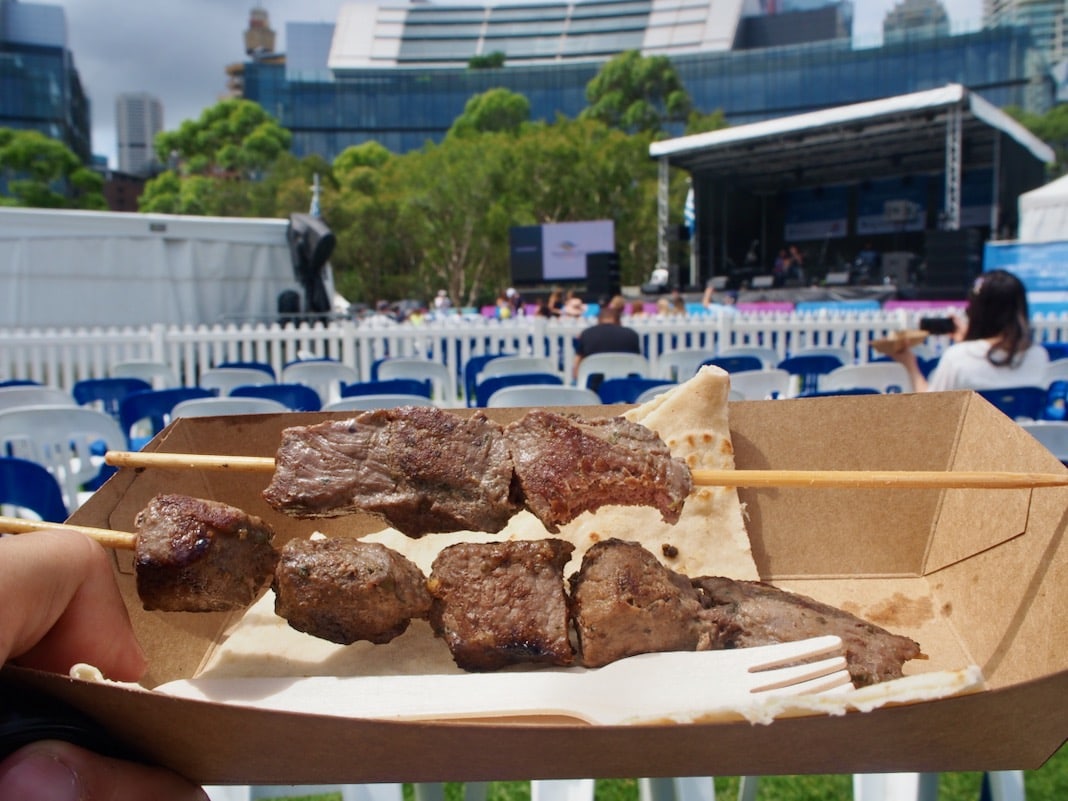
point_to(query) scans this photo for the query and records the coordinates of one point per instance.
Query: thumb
(51, 770)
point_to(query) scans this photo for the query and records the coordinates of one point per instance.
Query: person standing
(993, 349)
(607, 335)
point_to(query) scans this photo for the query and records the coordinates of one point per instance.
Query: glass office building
(39, 86)
(399, 75)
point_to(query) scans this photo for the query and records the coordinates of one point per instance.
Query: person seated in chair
(607, 335)
(993, 349)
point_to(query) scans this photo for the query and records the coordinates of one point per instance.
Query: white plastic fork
(662, 686)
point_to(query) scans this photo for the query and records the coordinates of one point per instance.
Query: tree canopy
(42, 172)
(637, 93)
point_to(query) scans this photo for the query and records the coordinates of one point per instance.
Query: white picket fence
(61, 357)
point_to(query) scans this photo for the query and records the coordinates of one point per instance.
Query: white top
(965, 366)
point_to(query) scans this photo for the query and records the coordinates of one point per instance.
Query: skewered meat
(193, 555)
(344, 590)
(502, 603)
(424, 469)
(420, 468)
(625, 602)
(748, 613)
(567, 465)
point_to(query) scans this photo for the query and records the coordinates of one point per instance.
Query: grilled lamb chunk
(625, 602)
(502, 603)
(344, 590)
(194, 555)
(422, 469)
(747, 613)
(567, 465)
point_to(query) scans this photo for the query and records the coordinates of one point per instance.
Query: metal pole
(662, 197)
(953, 157)
(995, 199)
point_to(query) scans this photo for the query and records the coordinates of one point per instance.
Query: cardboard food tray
(899, 341)
(976, 576)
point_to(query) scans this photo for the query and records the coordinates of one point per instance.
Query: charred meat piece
(194, 555)
(344, 590)
(625, 602)
(748, 613)
(567, 465)
(422, 469)
(502, 603)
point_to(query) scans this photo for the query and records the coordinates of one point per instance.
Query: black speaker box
(954, 258)
(602, 275)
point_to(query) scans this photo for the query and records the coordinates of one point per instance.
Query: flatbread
(709, 539)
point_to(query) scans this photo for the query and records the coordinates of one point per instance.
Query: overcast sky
(178, 51)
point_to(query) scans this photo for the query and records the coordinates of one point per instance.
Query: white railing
(60, 357)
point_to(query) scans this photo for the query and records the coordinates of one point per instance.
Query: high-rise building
(39, 87)
(915, 18)
(1046, 20)
(399, 73)
(259, 37)
(138, 118)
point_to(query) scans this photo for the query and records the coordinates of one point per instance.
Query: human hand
(52, 770)
(62, 606)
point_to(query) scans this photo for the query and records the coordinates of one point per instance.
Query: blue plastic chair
(1019, 403)
(107, 392)
(388, 386)
(295, 397)
(1056, 401)
(154, 405)
(28, 485)
(486, 388)
(734, 364)
(1056, 350)
(627, 390)
(472, 367)
(264, 366)
(810, 368)
(830, 393)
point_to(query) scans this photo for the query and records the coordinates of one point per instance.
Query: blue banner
(1042, 266)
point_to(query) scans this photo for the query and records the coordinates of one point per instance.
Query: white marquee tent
(1044, 213)
(62, 268)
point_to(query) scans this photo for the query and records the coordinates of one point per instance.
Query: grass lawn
(1048, 783)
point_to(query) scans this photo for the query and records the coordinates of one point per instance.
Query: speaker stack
(602, 276)
(954, 259)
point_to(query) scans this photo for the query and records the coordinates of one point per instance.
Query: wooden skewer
(848, 479)
(106, 537)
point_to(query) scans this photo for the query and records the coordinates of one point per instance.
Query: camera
(938, 325)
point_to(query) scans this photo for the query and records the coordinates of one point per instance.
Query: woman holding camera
(993, 348)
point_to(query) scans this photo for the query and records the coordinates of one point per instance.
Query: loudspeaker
(954, 258)
(602, 275)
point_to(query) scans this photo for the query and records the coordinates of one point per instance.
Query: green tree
(373, 258)
(494, 110)
(42, 172)
(583, 170)
(456, 211)
(637, 93)
(217, 161)
(702, 123)
(494, 60)
(1051, 128)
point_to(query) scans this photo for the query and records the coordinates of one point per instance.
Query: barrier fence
(61, 357)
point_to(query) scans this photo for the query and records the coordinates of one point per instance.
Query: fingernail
(38, 777)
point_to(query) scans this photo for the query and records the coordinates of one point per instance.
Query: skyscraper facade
(39, 87)
(138, 118)
(400, 73)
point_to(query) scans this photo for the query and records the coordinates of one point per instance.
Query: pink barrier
(924, 305)
(765, 306)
